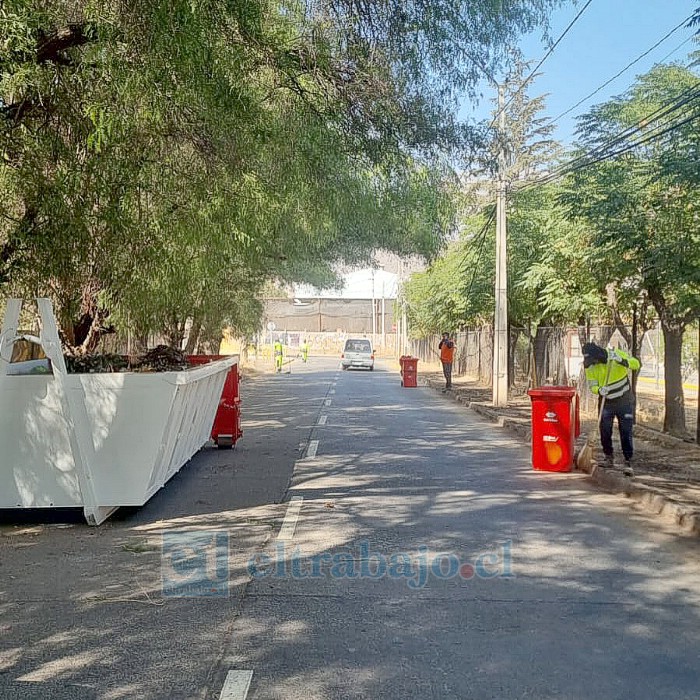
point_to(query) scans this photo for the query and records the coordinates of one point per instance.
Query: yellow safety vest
(618, 381)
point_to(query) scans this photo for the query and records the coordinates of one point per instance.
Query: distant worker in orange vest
(447, 356)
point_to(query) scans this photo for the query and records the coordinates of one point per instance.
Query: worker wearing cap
(607, 374)
(447, 356)
(279, 355)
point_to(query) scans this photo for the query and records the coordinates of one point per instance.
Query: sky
(607, 36)
(359, 284)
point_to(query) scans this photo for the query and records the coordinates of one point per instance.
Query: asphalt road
(426, 559)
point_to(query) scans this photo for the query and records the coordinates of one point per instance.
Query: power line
(642, 142)
(603, 151)
(629, 65)
(681, 45)
(482, 233)
(688, 95)
(539, 65)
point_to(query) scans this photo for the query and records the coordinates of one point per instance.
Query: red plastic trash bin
(409, 371)
(226, 430)
(554, 427)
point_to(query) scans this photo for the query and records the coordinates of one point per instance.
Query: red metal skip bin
(554, 427)
(227, 425)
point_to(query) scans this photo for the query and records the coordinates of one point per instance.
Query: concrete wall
(328, 315)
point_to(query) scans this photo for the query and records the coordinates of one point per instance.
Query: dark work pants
(447, 371)
(623, 410)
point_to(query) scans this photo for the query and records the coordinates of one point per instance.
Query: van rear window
(358, 346)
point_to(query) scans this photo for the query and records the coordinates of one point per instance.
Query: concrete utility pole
(500, 330)
(402, 325)
(374, 316)
(383, 316)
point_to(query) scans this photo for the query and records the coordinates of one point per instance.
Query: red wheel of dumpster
(226, 430)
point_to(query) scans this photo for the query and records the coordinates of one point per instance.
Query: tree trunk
(674, 418)
(174, 334)
(513, 335)
(540, 352)
(193, 338)
(557, 354)
(636, 344)
(697, 421)
(584, 330)
(549, 355)
(641, 323)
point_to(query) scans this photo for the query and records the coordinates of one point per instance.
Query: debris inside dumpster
(162, 359)
(94, 364)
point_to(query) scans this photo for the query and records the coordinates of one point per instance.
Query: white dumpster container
(97, 441)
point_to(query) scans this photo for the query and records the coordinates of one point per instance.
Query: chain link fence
(552, 355)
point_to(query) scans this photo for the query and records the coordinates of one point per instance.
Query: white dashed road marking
(327, 402)
(322, 419)
(236, 685)
(332, 391)
(289, 523)
(313, 447)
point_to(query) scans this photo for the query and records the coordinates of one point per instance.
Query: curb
(663, 439)
(652, 500)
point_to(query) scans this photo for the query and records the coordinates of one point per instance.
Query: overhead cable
(629, 65)
(539, 65)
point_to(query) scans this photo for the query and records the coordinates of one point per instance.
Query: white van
(357, 353)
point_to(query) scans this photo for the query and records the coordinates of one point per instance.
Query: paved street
(426, 560)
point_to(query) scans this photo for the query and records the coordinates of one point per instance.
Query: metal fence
(551, 355)
(473, 352)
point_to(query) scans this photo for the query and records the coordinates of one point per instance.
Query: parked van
(357, 353)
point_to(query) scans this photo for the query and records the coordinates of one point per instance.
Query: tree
(552, 284)
(147, 148)
(641, 205)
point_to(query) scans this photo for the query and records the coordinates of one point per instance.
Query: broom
(587, 452)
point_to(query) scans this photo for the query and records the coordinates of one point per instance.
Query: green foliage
(549, 281)
(457, 289)
(642, 207)
(552, 281)
(162, 160)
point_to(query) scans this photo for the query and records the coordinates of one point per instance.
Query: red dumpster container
(409, 371)
(226, 430)
(554, 427)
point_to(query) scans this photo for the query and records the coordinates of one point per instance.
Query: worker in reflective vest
(279, 355)
(607, 374)
(447, 356)
(304, 351)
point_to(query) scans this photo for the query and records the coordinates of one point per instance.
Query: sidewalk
(667, 470)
